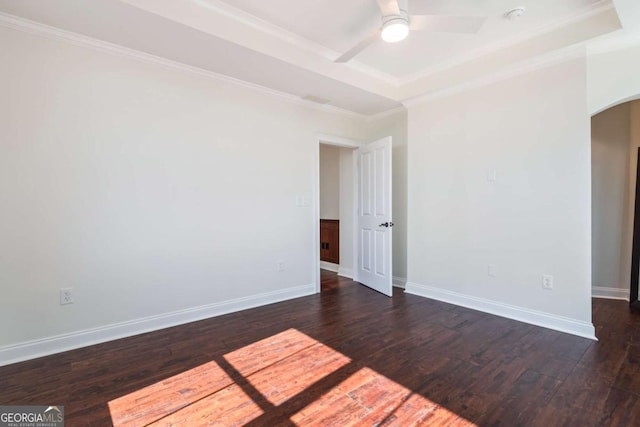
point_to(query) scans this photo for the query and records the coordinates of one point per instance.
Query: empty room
(319, 213)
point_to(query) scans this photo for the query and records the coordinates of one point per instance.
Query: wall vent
(316, 99)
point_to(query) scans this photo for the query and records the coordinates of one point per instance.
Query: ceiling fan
(396, 24)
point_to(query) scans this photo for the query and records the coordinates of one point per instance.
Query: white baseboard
(329, 266)
(610, 293)
(399, 282)
(534, 317)
(57, 344)
(345, 272)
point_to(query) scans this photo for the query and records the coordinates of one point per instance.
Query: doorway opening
(365, 213)
(334, 224)
(615, 138)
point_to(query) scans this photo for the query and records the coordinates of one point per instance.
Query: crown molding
(599, 46)
(595, 9)
(266, 27)
(263, 26)
(540, 62)
(385, 114)
(621, 40)
(39, 29)
(294, 39)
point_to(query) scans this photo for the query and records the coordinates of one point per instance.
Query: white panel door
(374, 216)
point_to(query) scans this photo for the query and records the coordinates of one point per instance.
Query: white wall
(123, 179)
(395, 125)
(613, 77)
(610, 150)
(329, 182)
(533, 130)
(146, 189)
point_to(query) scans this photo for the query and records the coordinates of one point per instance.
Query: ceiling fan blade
(389, 7)
(447, 24)
(345, 57)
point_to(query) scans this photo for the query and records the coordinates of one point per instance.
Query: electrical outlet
(66, 296)
(547, 281)
(281, 266)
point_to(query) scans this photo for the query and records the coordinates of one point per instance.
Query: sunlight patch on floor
(228, 407)
(288, 374)
(157, 400)
(369, 398)
(303, 362)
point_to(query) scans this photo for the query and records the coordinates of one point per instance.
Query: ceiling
(289, 45)
(339, 25)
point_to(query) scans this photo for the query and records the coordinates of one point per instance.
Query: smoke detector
(515, 13)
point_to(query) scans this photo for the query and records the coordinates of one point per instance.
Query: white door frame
(338, 142)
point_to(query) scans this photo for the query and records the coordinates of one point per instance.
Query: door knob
(386, 224)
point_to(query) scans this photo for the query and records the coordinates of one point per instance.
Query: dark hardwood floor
(347, 356)
(330, 281)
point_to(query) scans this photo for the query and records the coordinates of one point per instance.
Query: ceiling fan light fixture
(515, 13)
(395, 30)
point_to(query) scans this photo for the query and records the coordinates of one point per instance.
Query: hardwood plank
(154, 402)
(227, 407)
(288, 377)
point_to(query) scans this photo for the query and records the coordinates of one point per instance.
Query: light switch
(303, 201)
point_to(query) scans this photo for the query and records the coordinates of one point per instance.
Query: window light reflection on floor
(288, 373)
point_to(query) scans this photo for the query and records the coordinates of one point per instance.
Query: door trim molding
(635, 249)
(338, 141)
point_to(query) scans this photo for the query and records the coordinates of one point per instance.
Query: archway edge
(613, 78)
